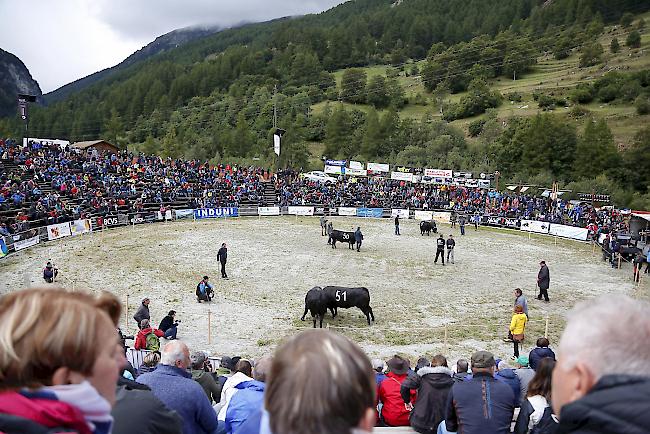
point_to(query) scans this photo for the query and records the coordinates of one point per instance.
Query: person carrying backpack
(148, 338)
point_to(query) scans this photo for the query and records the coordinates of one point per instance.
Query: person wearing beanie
(525, 374)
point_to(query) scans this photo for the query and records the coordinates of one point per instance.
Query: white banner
(356, 165)
(355, 172)
(336, 170)
(183, 213)
(423, 215)
(60, 230)
(535, 226)
(348, 211)
(440, 173)
(19, 245)
(301, 210)
(276, 144)
(79, 227)
(401, 176)
(268, 210)
(166, 216)
(572, 232)
(441, 216)
(379, 167)
(402, 213)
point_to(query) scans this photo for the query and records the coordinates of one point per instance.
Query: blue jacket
(537, 354)
(247, 400)
(176, 389)
(481, 405)
(509, 377)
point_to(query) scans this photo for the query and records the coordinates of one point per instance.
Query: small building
(100, 145)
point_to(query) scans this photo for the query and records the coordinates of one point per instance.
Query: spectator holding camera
(169, 325)
(201, 374)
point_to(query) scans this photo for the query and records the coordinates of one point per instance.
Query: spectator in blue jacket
(537, 354)
(480, 405)
(249, 398)
(173, 385)
(506, 374)
(378, 368)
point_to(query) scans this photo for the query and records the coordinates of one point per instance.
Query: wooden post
(593, 247)
(445, 341)
(528, 236)
(555, 241)
(546, 328)
(209, 327)
(126, 313)
(619, 260)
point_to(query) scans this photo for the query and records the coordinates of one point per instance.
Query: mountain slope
(15, 78)
(168, 41)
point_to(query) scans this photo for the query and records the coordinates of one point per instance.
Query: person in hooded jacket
(506, 374)
(200, 375)
(541, 351)
(433, 384)
(394, 412)
(601, 382)
(141, 338)
(249, 398)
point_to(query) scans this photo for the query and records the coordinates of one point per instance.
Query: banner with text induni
(402, 213)
(301, 210)
(572, 232)
(215, 213)
(535, 226)
(370, 212)
(268, 210)
(54, 232)
(347, 211)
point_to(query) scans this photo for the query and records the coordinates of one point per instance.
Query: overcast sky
(63, 40)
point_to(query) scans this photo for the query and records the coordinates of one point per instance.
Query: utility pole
(275, 106)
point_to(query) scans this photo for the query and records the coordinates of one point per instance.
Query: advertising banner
(333, 170)
(3, 248)
(438, 173)
(268, 210)
(511, 222)
(535, 226)
(340, 163)
(572, 232)
(346, 211)
(183, 213)
(402, 213)
(356, 165)
(423, 215)
(370, 212)
(144, 218)
(166, 216)
(442, 216)
(379, 167)
(215, 213)
(112, 220)
(57, 231)
(29, 242)
(401, 176)
(491, 220)
(355, 172)
(79, 227)
(301, 210)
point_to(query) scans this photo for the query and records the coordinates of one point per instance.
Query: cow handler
(222, 256)
(323, 226)
(440, 249)
(358, 237)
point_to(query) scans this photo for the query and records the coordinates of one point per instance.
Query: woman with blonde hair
(60, 358)
(518, 328)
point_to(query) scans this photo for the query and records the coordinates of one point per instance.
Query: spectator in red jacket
(394, 412)
(141, 338)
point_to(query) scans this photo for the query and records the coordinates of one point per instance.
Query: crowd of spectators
(62, 369)
(82, 183)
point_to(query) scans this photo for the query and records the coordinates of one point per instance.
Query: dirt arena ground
(420, 307)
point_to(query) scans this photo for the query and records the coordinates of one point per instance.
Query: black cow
(428, 226)
(344, 237)
(339, 296)
(316, 302)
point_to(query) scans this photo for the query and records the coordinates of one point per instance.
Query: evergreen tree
(353, 85)
(614, 46)
(633, 40)
(338, 131)
(377, 92)
(596, 152)
(591, 55)
(372, 136)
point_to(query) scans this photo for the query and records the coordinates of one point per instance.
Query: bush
(582, 94)
(633, 39)
(626, 19)
(546, 102)
(514, 97)
(478, 99)
(609, 93)
(578, 112)
(614, 46)
(591, 55)
(476, 127)
(642, 105)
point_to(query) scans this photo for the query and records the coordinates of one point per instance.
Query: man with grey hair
(249, 398)
(202, 376)
(601, 383)
(173, 385)
(142, 312)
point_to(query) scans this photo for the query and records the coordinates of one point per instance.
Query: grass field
(420, 307)
(548, 76)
